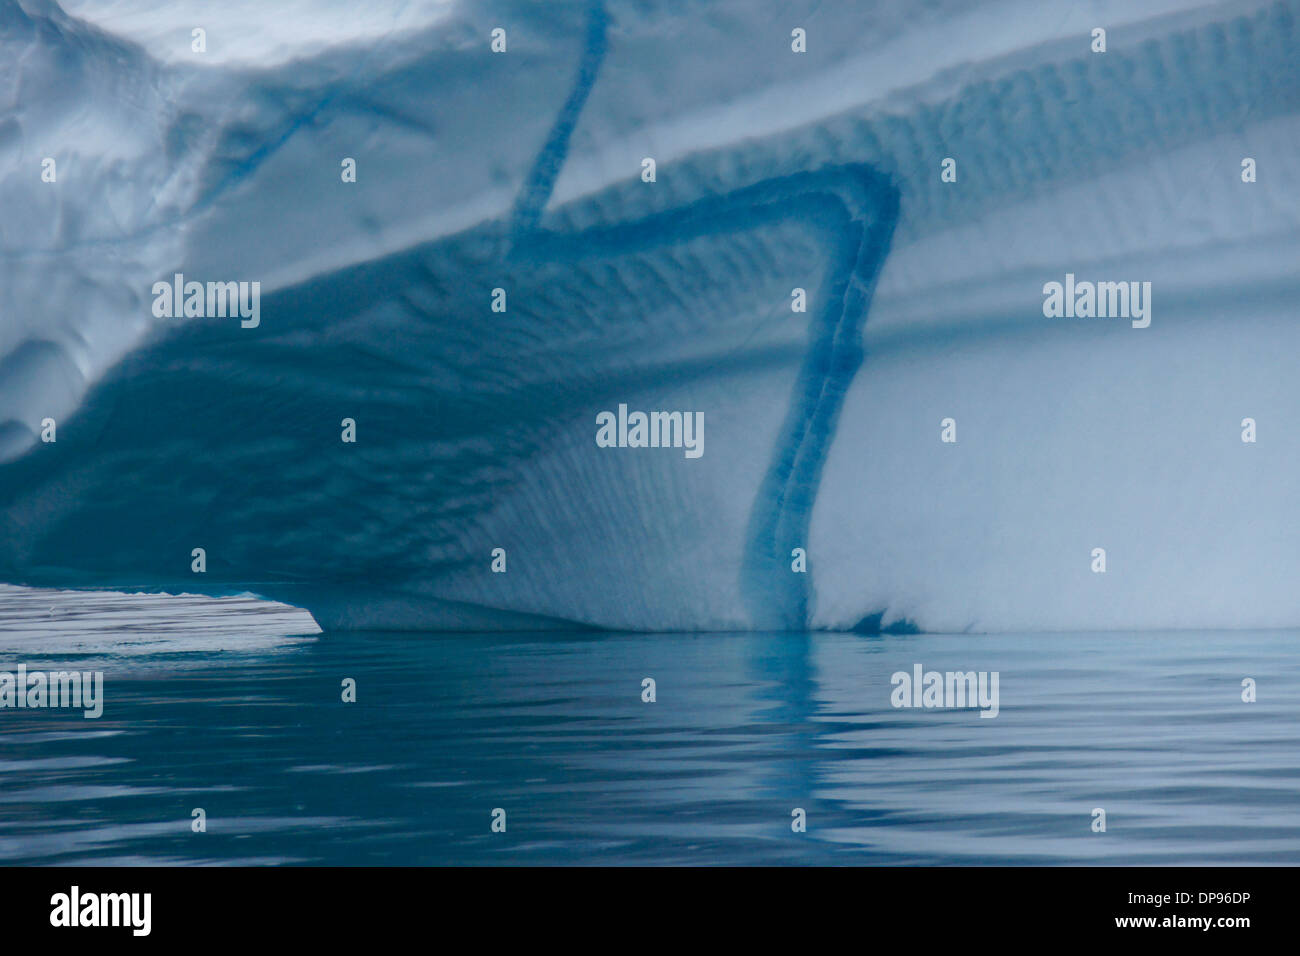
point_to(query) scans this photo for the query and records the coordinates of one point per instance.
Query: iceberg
(470, 244)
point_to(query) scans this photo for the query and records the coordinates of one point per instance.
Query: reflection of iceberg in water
(475, 428)
(746, 728)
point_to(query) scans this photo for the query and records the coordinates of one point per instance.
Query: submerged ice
(457, 252)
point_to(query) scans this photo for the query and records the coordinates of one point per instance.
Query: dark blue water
(209, 710)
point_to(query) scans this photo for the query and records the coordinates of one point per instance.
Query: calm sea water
(218, 705)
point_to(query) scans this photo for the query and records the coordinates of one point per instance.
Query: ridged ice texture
(475, 429)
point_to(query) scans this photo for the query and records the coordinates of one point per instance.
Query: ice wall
(775, 170)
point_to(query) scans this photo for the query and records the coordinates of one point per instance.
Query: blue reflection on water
(746, 727)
